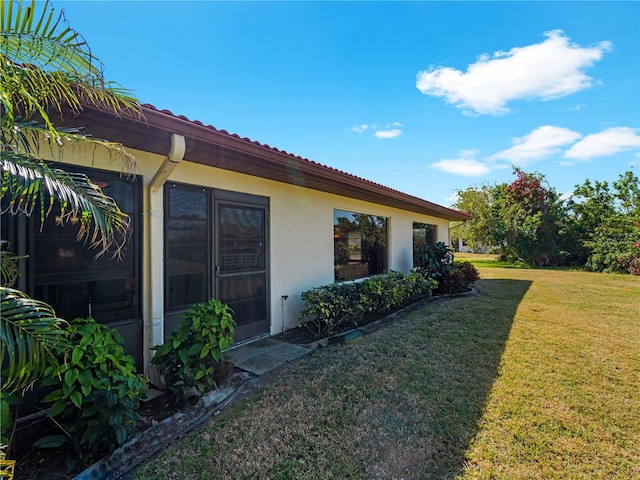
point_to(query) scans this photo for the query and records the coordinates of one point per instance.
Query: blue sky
(423, 97)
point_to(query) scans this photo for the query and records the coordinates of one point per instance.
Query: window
(423, 234)
(360, 244)
(187, 246)
(66, 273)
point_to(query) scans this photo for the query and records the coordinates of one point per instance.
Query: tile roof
(209, 145)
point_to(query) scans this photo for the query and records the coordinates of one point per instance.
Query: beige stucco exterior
(300, 234)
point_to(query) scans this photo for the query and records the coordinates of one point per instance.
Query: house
(463, 247)
(216, 215)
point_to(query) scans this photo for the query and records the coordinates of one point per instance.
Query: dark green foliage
(434, 260)
(96, 393)
(615, 246)
(488, 227)
(347, 304)
(189, 356)
(458, 278)
(528, 221)
(331, 305)
(607, 223)
(534, 214)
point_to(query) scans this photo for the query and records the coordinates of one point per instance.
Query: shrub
(331, 305)
(458, 278)
(345, 304)
(96, 393)
(189, 356)
(434, 260)
(615, 248)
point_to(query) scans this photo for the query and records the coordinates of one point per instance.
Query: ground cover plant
(537, 376)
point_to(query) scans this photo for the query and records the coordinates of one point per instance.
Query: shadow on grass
(465, 342)
(405, 402)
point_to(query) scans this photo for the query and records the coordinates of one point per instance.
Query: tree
(47, 70)
(588, 206)
(607, 224)
(487, 227)
(534, 215)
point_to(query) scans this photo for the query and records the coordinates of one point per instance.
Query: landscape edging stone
(149, 442)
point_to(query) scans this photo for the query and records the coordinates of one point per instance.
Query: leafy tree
(487, 227)
(607, 223)
(588, 206)
(534, 214)
(47, 70)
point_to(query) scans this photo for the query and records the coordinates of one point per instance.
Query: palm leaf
(29, 185)
(8, 265)
(45, 64)
(28, 137)
(29, 330)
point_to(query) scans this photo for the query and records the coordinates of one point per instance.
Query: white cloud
(388, 133)
(465, 165)
(359, 128)
(540, 143)
(608, 142)
(547, 70)
(389, 130)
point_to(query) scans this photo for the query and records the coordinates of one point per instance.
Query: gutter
(174, 157)
(154, 252)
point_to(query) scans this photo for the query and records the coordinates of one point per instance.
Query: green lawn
(538, 376)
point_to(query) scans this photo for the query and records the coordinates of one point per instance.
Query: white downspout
(154, 252)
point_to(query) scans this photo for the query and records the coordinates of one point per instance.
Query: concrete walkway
(264, 355)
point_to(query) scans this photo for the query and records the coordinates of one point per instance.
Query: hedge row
(349, 303)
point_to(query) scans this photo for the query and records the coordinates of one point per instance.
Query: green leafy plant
(458, 278)
(434, 260)
(189, 356)
(30, 332)
(96, 391)
(338, 305)
(331, 305)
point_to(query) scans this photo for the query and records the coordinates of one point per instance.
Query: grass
(538, 376)
(486, 260)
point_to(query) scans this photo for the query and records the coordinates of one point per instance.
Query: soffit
(209, 146)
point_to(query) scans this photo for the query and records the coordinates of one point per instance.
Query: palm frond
(30, 185)
(29, 330)
(50, 41)
(28, 136)
(9, 271)
(45, 64)
(33, 90)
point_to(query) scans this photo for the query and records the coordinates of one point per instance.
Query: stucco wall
(300, 234)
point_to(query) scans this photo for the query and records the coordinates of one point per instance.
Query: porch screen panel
(246, 295)
(241, 274)
(241, 239)
(69, 277)
(187, 247)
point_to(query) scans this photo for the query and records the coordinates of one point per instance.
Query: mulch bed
(43, 464)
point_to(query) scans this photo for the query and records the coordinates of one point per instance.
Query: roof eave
(210, 146)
